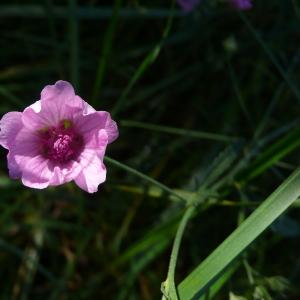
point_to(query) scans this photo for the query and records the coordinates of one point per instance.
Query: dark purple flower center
(61, 144)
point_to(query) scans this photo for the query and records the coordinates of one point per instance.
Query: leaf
(196, 283)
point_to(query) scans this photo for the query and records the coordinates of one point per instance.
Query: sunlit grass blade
(197, 282)
(220, 282)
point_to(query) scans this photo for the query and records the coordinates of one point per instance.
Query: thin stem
(169, 285)
(178, 131)
(144, 177)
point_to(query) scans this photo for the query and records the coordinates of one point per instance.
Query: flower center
(61, 144)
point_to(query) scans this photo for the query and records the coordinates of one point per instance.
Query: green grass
(195, 205)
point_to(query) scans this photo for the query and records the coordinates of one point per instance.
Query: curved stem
(169, 285)
(143, 176)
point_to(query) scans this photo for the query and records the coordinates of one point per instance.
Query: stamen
(61, 144)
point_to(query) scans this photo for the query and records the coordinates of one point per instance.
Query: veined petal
(87, 125)
(96, 144)
(92, 175)
(13, 168)
(91, 159)
(36, 173)
(10, 124)
(60, 98)
(63, 174)
(111, 128)
(50, 115)
(61, 91)
(26, 143)
(58, 102)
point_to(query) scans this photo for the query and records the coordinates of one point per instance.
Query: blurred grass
(192, 112)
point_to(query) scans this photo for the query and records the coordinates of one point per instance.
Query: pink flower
(58, 139)
(241, 4)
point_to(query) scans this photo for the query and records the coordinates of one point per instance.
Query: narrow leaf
(195, 284)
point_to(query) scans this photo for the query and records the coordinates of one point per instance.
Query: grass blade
(179, 131)
(196, 283)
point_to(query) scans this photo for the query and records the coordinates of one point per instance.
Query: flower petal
(67, 173)
(91, 160)
(58, 102)
(26, 143)
(92, 175)
(89, 124)
(111, 128)
(14, 169)
(96, 145)
(50, 115)
(61, 90)
(10, 124)
(24, 147)
(36, 106)
(37, 173)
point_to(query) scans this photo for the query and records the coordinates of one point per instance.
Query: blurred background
(206, 97)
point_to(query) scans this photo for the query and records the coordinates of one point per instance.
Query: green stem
(178, 131)
(144, 177)
(197, 282)
(169, 285)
